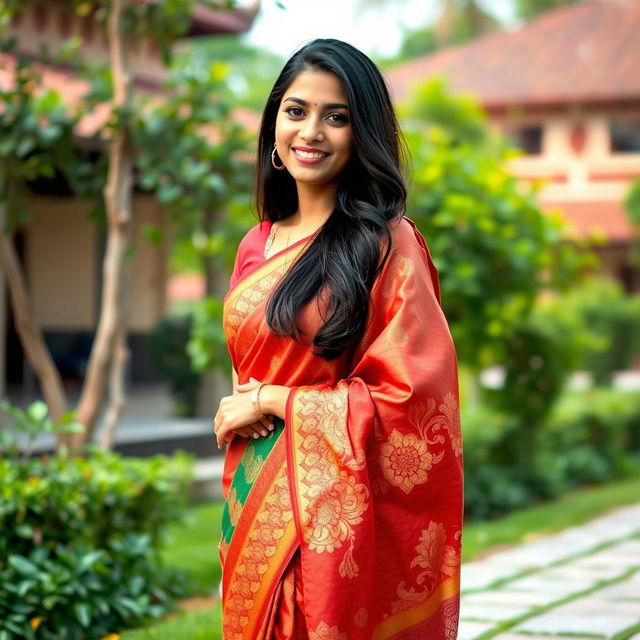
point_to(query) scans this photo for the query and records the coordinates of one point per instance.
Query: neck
(315, 204)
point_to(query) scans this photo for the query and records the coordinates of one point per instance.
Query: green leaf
(71, 427)
(37, 411)
(23, 566)
(83, 613)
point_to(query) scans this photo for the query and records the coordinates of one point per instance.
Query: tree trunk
(117, 195)
(117, 398)
(27, 324)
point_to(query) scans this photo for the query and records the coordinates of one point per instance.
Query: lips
(307, 153)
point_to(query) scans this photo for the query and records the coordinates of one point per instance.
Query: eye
(338, 118)
(294, 112)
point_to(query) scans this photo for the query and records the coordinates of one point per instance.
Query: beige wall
(60, 248)
(149, 270)
(559, 159)
(63, 250)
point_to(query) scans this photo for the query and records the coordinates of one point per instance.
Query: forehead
(316, 86)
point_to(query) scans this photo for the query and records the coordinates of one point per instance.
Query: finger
(252, 383)
(244, 432)
(266, 423)
(258, 428)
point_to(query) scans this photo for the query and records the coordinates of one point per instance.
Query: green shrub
(168, 344)
(79, 542)
(596, 434)
(603, 324)
(588, 437)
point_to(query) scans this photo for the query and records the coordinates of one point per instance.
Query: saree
(344, 523)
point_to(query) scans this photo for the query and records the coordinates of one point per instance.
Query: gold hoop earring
(273, 159)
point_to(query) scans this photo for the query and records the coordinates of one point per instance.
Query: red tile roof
(206, 21)
(73, 88)
(605, 219)
(588, 52)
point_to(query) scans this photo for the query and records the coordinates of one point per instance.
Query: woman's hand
(237, 415)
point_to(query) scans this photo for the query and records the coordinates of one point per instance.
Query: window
(528, 138)
(625, 135)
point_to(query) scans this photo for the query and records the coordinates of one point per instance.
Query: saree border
(266, 540)
(252, 276)
(404, 620)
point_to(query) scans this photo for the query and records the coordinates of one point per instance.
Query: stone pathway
(583, 583)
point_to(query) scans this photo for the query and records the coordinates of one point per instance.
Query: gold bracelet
(255, 398)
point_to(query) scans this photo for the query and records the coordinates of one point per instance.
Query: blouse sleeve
(249, 254)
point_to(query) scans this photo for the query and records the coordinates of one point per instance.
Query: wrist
(256, 400)
(273, 399)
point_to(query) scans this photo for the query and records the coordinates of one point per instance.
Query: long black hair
(345, 255)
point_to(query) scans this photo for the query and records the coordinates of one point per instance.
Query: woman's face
(313, 128)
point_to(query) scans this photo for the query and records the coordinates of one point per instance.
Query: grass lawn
(193, 548)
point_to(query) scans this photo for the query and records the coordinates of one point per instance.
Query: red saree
(345, 523)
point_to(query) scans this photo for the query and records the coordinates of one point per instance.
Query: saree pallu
(345, 522)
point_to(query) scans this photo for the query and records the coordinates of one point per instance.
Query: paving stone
(471, 630)
(517, 636)
(564, 623)
(509, 597)
(587, 576)
(595, 605)
(629, 590)
(549, 584)
(491, 613)
(550, 550)
(480, 575)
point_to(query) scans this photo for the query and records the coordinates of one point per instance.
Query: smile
(310, 155)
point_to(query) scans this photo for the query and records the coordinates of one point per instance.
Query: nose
(311, 129)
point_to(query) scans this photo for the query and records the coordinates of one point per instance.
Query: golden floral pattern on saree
(398, 336)
(451, 410)
(235, 507)
(400, 269)
(451, 613)
(436, 558)
(336, 509)
(332, 501)
(260, 546)
(251, 465)
(405, 460)
(239, 307)
(325, 416)
(361, 617)
(223, 548)
(325, 632)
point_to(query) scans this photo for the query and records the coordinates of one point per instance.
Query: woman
(343, 475)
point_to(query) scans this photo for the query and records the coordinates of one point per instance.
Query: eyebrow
(304, 103)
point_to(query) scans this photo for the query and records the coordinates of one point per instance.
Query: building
(566, 88)
(60, 248)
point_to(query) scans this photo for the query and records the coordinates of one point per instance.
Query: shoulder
(409, 257)
(255, 235)
(405, 237)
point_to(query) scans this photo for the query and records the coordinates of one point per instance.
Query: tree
(495, 250)
(36, 127)
(457, 22)
(250, 71)
(36, 136)
(528, 9)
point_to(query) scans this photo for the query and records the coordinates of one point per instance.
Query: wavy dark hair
(345, 255)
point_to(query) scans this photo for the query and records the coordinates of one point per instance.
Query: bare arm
(273, 399)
